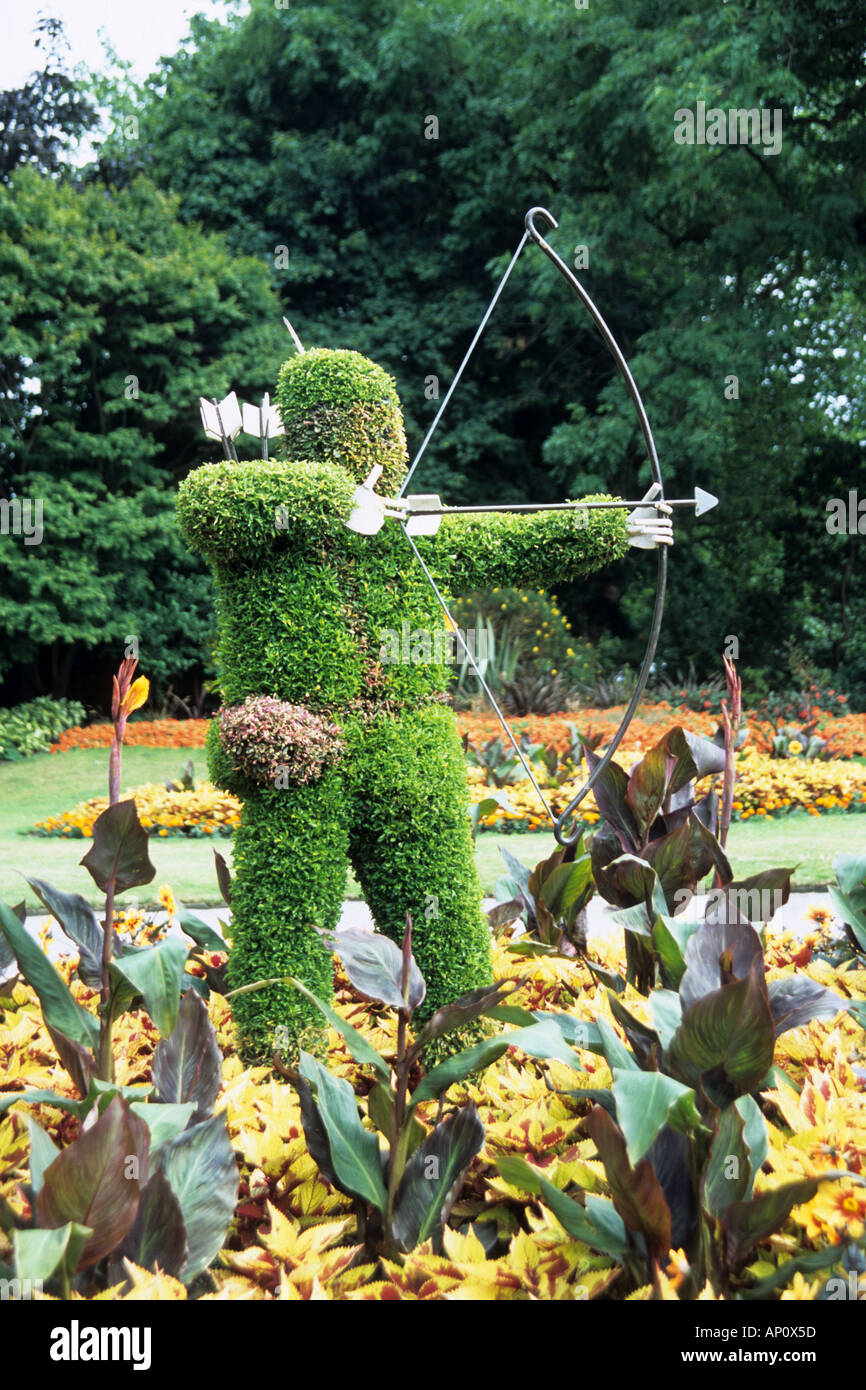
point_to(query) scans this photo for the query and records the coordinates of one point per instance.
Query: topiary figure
(305, 609)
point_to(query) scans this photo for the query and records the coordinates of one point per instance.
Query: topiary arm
(537, 548)
(233, 512)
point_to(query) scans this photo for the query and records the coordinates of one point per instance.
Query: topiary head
(339, 407)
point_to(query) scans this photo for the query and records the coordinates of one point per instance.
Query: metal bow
(532, 233)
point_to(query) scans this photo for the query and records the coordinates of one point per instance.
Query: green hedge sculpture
(305, 609)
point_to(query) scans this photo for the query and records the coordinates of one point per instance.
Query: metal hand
(649, 526)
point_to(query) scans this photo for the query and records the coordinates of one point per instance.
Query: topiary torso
(308, 613)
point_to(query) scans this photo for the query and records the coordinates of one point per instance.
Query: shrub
(307, 609)
(339, 407)
(536, 661)
(32, 728)
(267, 739)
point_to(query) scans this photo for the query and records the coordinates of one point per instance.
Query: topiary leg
(290, 871)
(411, 847)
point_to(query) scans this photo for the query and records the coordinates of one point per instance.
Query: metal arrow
(702, 502)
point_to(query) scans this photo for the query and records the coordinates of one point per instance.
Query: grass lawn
(50, 783)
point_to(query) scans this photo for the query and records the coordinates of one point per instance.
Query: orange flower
(149, 733)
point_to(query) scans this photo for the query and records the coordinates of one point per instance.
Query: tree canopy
(114, 317)
(373, 159)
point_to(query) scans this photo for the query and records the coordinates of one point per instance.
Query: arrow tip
(704, 501)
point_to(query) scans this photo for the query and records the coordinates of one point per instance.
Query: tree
(390, 150)
(114, 318)
(39, 120)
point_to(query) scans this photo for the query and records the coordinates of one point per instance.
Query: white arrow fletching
(210, 419)
(263, 422)
(368, 515)
(230, 415)
(419, 524)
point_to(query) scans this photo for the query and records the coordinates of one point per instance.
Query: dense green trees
(712, 263)
(375, 157)
(114, 317)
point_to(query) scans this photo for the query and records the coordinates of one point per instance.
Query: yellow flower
(840, 1210)
(800, 1291)
(136, 695)
(678, 1268)
(166, 899)
(795, 746)
(821, 915)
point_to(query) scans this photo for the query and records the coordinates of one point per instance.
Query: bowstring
(429, 577)
(479, 673)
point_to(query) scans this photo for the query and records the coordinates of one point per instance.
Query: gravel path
(792, 917)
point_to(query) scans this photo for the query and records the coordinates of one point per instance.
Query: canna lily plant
(551, 899)
(125, 975)
(679, 1131)
(403, 1193)
(151, 1176)
(653, 846)
(657, 841)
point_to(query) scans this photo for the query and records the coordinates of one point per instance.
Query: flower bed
(293, 1236)
(846, 735)
(644, 730)
(146, 733)
(765, 787)
(204, 811)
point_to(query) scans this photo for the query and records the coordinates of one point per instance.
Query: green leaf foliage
(201, 1170)
(434, 1175)
(158, 1235)
(360, 1048)
(598, 1224)
(75, 917)
(40, 1253)
(154, 314)
(543, 1039)
(647, 1100)
(187, 1065)
(728, 1172)
(96, 1181)
(374, 965)
(157, 975)
(43, 1151)
(119, 850)
(637, 1194)
(354, 1150)
(725, 1040)
(59, 1008)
